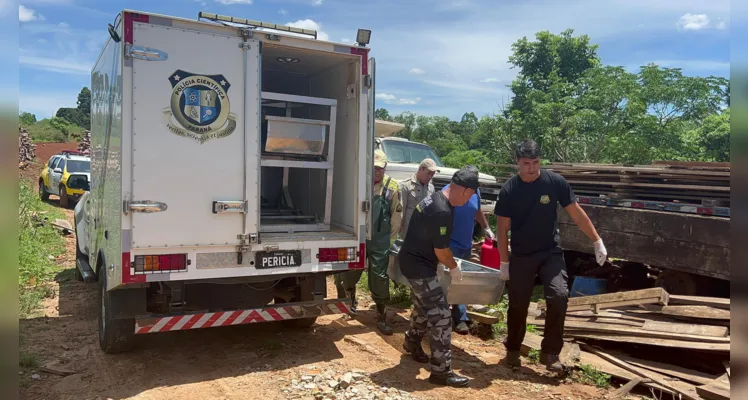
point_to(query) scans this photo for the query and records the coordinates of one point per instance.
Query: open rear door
(194, 139)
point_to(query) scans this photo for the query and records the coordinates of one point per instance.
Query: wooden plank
(611, 321)
(587, 327)
(691, 329)
(685, 374)
(568, 357)
(694, 164)
(701, 312)
(727, 368)
(587, 358)
(482, 318)
(719, 189)
(624, 390)
(718, 389)
(599, 306)
(680, 344)
(716, 302)
(645, 294)
(688, 391)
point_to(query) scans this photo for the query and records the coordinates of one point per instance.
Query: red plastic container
(489, 254)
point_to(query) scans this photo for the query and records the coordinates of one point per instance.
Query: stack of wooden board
(650, 317)
(695, 183)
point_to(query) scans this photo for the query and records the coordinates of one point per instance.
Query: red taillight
(338, 254)
(161, 262)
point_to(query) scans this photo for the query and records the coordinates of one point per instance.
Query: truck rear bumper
(271, 313)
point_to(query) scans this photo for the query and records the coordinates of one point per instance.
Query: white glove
(489, 234)
(504, 271)
(600, 253)
(456, 272)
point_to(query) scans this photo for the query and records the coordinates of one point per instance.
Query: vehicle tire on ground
(78, 256)
(299, 323)
(115, 335)
(42, 192)
(64, 199)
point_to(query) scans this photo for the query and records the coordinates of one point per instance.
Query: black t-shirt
(532, 208)
(430, 228)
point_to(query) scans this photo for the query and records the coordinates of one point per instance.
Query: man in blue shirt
(461, 244)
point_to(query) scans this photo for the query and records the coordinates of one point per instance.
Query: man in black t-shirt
(527, 206)
(426, 248)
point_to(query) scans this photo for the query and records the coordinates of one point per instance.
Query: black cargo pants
(551, 268)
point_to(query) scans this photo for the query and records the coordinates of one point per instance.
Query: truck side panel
(106, 161)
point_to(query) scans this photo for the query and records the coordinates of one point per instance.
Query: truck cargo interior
(309, 125)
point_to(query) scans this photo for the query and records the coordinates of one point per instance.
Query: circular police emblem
(544, 199)
(199, 106)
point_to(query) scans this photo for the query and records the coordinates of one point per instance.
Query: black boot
(512, 359)
(552, 362)
(354, 303)
(413, 346)
(449, 379)
(382, 320)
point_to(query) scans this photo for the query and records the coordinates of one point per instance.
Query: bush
(54, 130)
(36, 244)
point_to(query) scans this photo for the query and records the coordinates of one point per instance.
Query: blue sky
(434, 57)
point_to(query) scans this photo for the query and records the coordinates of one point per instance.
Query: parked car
(66, 175)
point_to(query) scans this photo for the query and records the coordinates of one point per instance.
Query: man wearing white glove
(426, 248)
(527, 206)
(461, 244)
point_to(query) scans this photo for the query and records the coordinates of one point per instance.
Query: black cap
(466, 177)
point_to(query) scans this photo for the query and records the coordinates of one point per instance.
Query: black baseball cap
(466, 177)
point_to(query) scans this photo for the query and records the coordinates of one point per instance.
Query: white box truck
(231, 174)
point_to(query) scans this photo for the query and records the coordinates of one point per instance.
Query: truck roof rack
(256, 24)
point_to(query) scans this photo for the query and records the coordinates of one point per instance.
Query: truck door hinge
(145, 53)
(368, 81)
(228, 206)
(144, 206)
(246, 35)
(365, 206)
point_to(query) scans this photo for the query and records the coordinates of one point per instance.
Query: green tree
(26, 118)
(382, 114)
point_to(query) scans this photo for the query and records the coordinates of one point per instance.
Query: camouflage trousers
(431, 315)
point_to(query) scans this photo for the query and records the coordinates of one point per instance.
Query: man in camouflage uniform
(386, 217)
(426, 248)
(415, 189)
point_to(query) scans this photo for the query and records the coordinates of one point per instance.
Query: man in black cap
(425, 248)
(527, 206)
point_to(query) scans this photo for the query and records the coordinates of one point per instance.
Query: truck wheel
(78, 255)
(64, 200)
(299, 323)
(115, 335)
(42, 192)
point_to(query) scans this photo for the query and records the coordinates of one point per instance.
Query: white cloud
(417, 71)
(28, 15)
(721, 25)
(317, 2)
(693, 22)
(229, 2)
(388, 98)
(282, 11)
(74, 67)
(489, 80)
(310, 24)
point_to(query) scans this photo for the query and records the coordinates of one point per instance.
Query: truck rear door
(370, 143)
(194, 138)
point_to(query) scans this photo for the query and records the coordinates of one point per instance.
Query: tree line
(67, 124)
(581, 111)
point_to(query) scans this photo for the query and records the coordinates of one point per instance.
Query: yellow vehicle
(66, 175)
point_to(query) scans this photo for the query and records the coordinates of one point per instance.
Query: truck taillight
(162, 262)
(337, 254)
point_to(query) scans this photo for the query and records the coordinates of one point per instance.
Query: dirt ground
(251, 361)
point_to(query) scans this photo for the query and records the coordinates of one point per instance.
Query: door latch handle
(145, 206)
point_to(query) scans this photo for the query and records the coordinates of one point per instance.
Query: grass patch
(399, 294)
(36, 245)
(534, 356)
(589, 375)
(27, 360)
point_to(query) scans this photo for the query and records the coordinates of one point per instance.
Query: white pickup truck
(404, 157)
(216, 146)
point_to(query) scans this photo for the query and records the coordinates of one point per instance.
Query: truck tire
(299, 323)
(64, 199)
(115, 335)
(43, 192)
